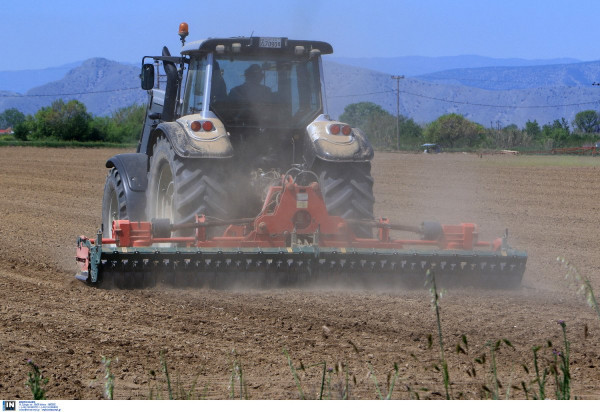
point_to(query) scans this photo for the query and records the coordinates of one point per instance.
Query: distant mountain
(22, 80)
(509, 78)
(554, 91)
(419, 65)
(425, 101)
(102, 85)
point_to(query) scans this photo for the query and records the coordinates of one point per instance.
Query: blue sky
(43, 33)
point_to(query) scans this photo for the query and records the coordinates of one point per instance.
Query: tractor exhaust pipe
(168, 114)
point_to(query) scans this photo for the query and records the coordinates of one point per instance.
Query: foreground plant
(297, 378)
(109, 385)
(391, 383)
(180, 391)
(539, 379)
(327, 386)
(557, 366)
(582, 283)
(435, 298)
(165, 370)
(560, 367)
(237, 374)
(494, 347)
(36, 382)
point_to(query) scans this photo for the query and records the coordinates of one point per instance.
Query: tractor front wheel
(181, 188)
(114, 202)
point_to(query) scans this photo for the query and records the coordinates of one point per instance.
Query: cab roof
(255, 45)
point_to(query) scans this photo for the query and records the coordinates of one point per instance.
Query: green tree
(11, 118)
(587, 121)
(359, 114)
(533, 129)
(62, 121)
(23, 129)
(123, 126)
(454, 130)
(380, 125)
(410, 132)
(557, 133)
(508, 137)
(380, 129)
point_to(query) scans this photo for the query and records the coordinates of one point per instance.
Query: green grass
(540, 161)
(61, 144)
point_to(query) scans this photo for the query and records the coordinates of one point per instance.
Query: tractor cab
(255, 82)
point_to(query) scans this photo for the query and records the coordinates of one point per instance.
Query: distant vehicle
(431, 148)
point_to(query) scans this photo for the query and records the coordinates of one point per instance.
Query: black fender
(335, 148)
(133, 168)
(216, 145)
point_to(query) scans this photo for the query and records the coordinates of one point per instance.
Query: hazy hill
(508, 78)
(418, 65)
(102, 85)
(425, 101)
(22, 80)
(555, 91)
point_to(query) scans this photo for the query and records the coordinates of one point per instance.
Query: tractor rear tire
(114, 202)
(347, 188)
(181, 188)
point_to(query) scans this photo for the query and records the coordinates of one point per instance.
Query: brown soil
(50, 196)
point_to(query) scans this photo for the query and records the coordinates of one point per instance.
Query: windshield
(265, 91)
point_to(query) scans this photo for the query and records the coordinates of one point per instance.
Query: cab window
(194, 88)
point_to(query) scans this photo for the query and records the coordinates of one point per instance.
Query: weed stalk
(165, 370)
(541, 380)
(36, 382)
(435, 301)
(109, 385)
(297, 379)
(583, 284)
(562, 377)
(237, 374)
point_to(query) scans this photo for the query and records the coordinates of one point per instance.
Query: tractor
(241, 174)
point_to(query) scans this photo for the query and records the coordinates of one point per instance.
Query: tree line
(70, 121)
(386, 131)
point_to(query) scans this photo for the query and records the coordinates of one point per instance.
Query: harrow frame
(294, 240)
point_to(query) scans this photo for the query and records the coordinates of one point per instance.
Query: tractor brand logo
(9, 405)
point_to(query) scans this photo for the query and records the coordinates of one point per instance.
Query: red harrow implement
(294, 242)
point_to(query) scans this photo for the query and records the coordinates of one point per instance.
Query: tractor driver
(252, 90)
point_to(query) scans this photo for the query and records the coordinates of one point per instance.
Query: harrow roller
(306, 266)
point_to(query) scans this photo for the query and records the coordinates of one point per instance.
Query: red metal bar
(83, 254)
(384, 231)
(299, 210)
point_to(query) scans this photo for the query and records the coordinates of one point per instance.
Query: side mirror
(147, 76)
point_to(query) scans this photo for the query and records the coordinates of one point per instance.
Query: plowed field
(549, 204)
